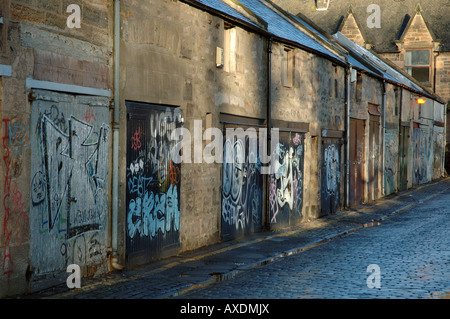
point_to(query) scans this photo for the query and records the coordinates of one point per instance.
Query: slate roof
(277, 24)
(226, 9)
(281, 25)
(395, 15)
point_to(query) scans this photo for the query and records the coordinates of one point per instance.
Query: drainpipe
(269, 95)
(435, 68)
(348, 72)
(269, 123)
(115, 178)
(444, 161)
(400, 136)
(383, 164)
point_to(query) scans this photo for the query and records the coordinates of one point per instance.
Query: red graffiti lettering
(136, 139)
(7, 259)
(173, 174)
(15, 218)
(89, 116)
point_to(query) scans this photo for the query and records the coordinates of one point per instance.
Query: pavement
(174, 276)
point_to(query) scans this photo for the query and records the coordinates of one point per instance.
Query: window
(287, 69)
(417, 64)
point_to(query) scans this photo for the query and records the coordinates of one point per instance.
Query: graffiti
(331, 175)
(70, 159)
(69, 181)
(153, 183)
(420, 152)
(331, 159)
(242, 188)
(85, 249)
(286, 189)
(438, 153)
(150, 211)
(136, 139)
(296, 140)
(7, 259)
(89, 116)
(15, 218)
(391, 163)
(54, 115)
(18, 137)
(38, 188)
(173, 173)
(273, 198)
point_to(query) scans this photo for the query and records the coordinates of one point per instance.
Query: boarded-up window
(230, 48)
(322, 5)
(287, 68)
(358, 87)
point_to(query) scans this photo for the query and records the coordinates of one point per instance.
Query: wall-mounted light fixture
(420, 100)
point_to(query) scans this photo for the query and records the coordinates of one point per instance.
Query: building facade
(414, 35)
(159, 127)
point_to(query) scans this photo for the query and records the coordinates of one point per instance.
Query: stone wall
(38, 46)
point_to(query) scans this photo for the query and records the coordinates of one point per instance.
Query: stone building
(55, 85)
(413, 34)
(117, 134)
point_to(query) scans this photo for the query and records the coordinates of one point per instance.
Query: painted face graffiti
(286, 184)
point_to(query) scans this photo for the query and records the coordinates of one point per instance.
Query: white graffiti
(331, 159)
(284, 172)
(70, 159)
(241, 196)
(287, 181)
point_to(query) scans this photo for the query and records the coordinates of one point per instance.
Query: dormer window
(417, 64)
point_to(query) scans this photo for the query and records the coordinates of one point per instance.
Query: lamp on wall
(420, 100)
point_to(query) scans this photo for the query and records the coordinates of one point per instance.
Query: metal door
(331, 175)
(286, 184)
(374, 140)
(153, 183)
(404, 145)
(242, 184)
(357, 161)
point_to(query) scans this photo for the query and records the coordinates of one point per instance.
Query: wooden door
(357, 161)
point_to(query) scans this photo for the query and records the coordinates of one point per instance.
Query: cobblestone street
(405, 235)
(410, 248)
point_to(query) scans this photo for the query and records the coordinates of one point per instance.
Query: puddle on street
(440, 295)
